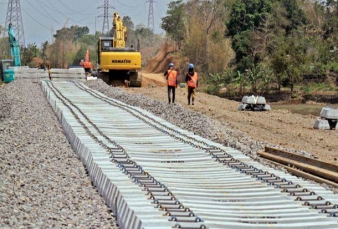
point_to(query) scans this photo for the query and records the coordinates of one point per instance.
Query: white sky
(41, 18)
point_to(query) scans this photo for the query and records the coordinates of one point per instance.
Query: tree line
(254, 44)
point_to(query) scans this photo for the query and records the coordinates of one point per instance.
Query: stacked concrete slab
(254, 103)
(34, 73)
(327, 120)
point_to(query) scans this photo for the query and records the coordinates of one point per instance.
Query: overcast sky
(41, 18)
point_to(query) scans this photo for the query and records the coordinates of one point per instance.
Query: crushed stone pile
(42, 181)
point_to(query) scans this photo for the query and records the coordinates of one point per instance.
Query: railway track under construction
(153, 174)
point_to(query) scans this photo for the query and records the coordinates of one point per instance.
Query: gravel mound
(42, 181)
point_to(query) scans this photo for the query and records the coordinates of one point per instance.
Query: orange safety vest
(193, 80)
(172, 76)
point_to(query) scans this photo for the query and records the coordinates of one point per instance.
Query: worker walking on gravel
(192, 83)
(171, 77)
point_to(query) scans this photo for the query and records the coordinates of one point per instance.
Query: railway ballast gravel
(42, 181)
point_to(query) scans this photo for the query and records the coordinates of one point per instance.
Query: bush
(211, 89)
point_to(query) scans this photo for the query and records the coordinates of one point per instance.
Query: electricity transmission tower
(106, 7)
(151, 15)
(14, 17)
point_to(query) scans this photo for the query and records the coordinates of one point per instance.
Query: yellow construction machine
(118, 65)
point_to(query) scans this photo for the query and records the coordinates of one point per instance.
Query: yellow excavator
(118, 64)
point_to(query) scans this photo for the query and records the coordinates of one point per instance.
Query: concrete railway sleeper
(194, 183)
(128, 166)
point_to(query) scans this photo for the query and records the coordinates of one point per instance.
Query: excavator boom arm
(120, 32)
(14, 47)
(87, 56)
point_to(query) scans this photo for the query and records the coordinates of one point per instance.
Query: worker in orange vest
(171, 77)
(192, 82)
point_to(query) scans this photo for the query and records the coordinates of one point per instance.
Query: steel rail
(168, 190)
(306, 167)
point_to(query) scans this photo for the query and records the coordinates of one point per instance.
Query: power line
(35, 19)
(159, 13)
(131, 6)
(47, 16)
(54, 9)
(76, 12)
(45, 8)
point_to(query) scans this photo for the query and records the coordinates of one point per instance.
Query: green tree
(246, 15)
(80, 55)
(240, 79)
(144, 35)
(74, 32)
(44, 47)
(211, 11)
(204, 42)
(295, 15)
(246, 19)
(29, 53)
(330, 29)
(88, 39)
(255, 27)
(4, 48)
(288, 61)
(61, 52)
(127, 22)
(173, 23)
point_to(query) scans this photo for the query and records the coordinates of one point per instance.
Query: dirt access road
(279, 127)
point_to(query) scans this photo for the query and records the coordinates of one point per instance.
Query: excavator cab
(4, 65)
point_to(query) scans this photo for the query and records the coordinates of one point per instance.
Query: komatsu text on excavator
(118, 65)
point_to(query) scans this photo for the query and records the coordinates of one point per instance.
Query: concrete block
(26, 72)
(329, 113)
(254, 100)
(321, 124)
(242, 107)
(267, 107)
(91, 78)
(260, 100)
(249, 99)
